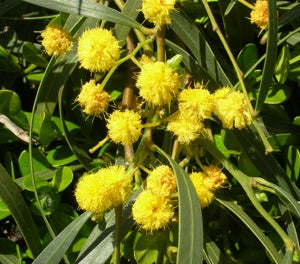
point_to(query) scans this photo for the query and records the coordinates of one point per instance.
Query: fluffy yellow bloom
(93, 98)
(158, 11)
(98, 50)
(152, 212)
(124, 127)
(231, 108)
(259, 15)
(56, 40)
(162, 181)
(186, 129)
(215, 177)
(198, 103)
(103, 190)
(204, 192)
(158, 83)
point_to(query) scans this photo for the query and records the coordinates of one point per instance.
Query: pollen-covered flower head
(198, 102)
(158, 11)
(162, 181)
(93, 98)
(231, 108)
(98, 50)
(151, 211)
(186, 129)
(105, 189)
(56, 40)
(124, 127)
(259, 15)
(157, 83)
(215, 177)
(204, 192)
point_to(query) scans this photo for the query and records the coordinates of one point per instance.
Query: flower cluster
(207, 182)
(93, 98)
(158, 11)
(158, 83)
(56, 40)
(105, 189)
(124, 127)
(153, 209)
(98, 50)
(259, 15)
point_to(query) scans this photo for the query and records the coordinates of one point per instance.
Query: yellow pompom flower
(215, 177)
(204, 192)
(56, 40)
(152, 212)
(105, 189)
(158, 11)
(259, 15)
(196, 103)
(162, 181)
(124, 127)
(98, 50)
(186, 129)
(157, 83)
(231, 108)
(93, 98)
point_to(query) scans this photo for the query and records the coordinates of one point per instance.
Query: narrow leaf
(55, 251)
(270, 60)
(13, 199)
(88, 9)
(190, 218)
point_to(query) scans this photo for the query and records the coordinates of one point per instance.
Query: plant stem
(118, 226)
(229, 53)
(245, 3)
(160, 42)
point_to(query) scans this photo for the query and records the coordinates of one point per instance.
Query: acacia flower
(259, 15)
(215, 177)
(203, 190)
(157, 83)
(198, 103)
(98, 50)
(151, 211)
(162, 181)
(158, 11)
(105, 189)
(124, 127)
(231, 108)
(56, 40)
(93, 98)
(186, 129)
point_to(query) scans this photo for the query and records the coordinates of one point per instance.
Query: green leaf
(282, 65)
(11, 196)
(60, 156)
(8, 4)
(54, 252)
(4, 211)
(10, 103)
(32, 55)
(8, 62)
(247, 57)
(270, 56)
(277, 94)
(190, 218)
(41, 184)
(279, 140)
(62, 178)
(49, 201)
(40, 162)
(196, 42)
(231, 205)
(87, 9)
(292, 163)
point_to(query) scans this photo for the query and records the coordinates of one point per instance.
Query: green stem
(228, 51)
(119, 62)
(246, 183)
(267, 145)
(118, 226)
(245, 3)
